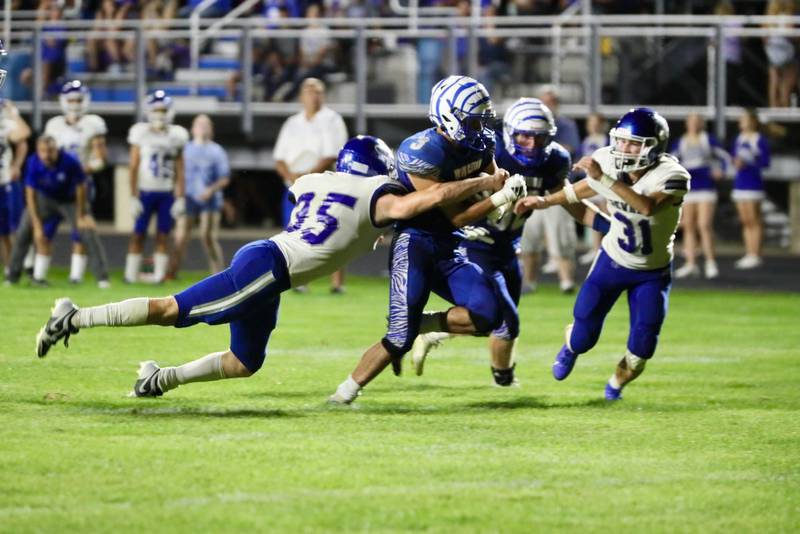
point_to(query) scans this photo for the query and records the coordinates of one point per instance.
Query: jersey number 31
(630, 244)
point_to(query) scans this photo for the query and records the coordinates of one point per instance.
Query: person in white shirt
(83, 135)
(14, 134)
(309, 143)
(157, 182)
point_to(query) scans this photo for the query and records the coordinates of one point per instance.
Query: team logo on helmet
(462, 108)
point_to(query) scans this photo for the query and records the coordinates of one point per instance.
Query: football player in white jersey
(337, 216)
(14, 134)
(157, 182)
(644, 187)
(84, 136)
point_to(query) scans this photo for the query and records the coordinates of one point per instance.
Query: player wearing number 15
(644, 187)
(337, 217)
(157, 182)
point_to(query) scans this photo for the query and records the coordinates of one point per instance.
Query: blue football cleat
(563, 364)
(613, 394)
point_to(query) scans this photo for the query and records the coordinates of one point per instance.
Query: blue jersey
(429, 154)
(548, 175)
(206, 163)
(57, 182)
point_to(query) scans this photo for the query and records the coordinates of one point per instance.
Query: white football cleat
(58, 327)
(147, 381)
(422, 346)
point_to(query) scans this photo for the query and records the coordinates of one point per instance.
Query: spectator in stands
(700, 154)
(54, 49)
(315, 53)
(780, 52)
(207, 175)
(732, 52)
(494, 59)
(750, 156)
(158, 14)
(567, 135)
(105, 51)
(596, 137)
(309, 142)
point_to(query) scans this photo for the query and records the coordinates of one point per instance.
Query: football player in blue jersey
(425, 255)
(525, 147)
(337, 217)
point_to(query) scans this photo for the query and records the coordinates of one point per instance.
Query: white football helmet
(160, 111)
(529, 116)
(462, 108)
(74, 99)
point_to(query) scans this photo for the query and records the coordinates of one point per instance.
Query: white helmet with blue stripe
(529, 116)
(74, 99)
(462, 108)
(160, 111)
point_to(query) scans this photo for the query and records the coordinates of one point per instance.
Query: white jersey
(331, 223)
(7, 126)
(637, 241)
(158, 151)
(76, 138)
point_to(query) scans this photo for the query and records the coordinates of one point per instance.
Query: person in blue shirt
(55, 186)
(207, 174)
(425, 256)
(525, 147)
(750, 156)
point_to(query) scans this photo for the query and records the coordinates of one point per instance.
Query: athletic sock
(27, 263)
(160, 263)
(613, 382)
(41, 264)
(77, 267)
(132, 264)
(205, 369)
(349, 389)
(131, 312)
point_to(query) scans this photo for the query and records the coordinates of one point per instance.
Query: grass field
(707, 440)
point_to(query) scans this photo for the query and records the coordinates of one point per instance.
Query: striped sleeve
(676, 184)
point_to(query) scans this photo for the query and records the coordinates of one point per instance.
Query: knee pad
(643, 340)
(634, 362)
(484, 323)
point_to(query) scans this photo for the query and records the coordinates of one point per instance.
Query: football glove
(514, 188)
(477, 233)
(178, 208)
(136, 208)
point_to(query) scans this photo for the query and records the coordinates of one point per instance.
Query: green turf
(707, 440)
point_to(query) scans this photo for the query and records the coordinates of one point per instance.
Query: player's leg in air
(416, 270)
(647, 301)
(246, 295)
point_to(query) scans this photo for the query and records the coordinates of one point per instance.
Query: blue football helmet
(365, 155)
(160, 111)
(3, 55)
(74, 99)
(462, 108)
(648, 128)
(529, 116)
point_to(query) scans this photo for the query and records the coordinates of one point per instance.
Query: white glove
(136, 208)
(513, 189)
(477, 233)
(178, 208)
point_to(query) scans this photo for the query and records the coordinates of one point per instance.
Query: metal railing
(586, 33)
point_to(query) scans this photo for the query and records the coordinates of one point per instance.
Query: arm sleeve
(412, 164)
(676, 185)
(30, 179)
(385, 189)
(135, 135)
(280, 152)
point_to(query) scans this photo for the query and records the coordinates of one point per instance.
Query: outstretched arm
(396, 207)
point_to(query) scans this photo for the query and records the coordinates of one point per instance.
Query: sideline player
(83, 135)
(337, 217)
(644, 187)
(425, 255)
(14, 134)
(157, 182)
